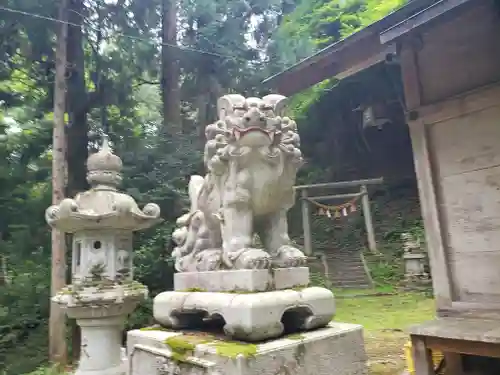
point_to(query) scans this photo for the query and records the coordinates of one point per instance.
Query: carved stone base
(337, 349)
(250, 316)
(242, 280)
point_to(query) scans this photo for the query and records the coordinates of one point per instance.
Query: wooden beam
(472, 101)
(422, 356)
(338, 63)
(429, 204)
(294, 82)
(367, 215)
(411, 76)
(337, 196)
(342, 184)
(377, 58)
(306, 224)
(294, 79)
(424, 17)
(480, 348)
(454, 364)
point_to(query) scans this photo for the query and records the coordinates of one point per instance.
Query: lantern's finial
(104, 168)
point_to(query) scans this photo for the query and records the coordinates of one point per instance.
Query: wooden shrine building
(448, 53)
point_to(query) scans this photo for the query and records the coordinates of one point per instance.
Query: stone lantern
(415, 260)
(102, 294)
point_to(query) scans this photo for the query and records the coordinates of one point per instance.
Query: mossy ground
(385, 318)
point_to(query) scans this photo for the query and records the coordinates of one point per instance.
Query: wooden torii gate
(365, 203)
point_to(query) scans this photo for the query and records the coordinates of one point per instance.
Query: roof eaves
(391, 19)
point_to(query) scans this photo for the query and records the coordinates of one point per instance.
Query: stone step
(338, 261)
(345, 271)
(345, 268)
(350, 279)
(347, 260)
(352, 286)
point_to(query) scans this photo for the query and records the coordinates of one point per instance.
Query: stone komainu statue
(252, 156)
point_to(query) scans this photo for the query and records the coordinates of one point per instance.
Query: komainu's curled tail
(192, 235)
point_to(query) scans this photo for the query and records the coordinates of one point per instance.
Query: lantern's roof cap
(102, 207)
(104, 167)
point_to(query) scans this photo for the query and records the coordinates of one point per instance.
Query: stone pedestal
(415, 275)
(245, 281)
(414, 264)
(101, 346)
(336, 349)
(100, 311)
(253, 305)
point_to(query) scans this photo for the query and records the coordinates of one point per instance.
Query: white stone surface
(103, 292)
(242, 280)
(414, 263)
(101, 316)
(335, 350)
(248, 316)
(252, 155)
(101, 352)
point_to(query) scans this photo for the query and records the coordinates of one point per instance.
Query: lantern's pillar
(102, 294)
(101, 345)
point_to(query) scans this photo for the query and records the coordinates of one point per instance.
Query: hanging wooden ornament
(337, 214)
(328, 213)
(321, 211)
(344, 211)
(353, 208)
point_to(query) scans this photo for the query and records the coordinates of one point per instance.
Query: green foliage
(47, 371)
(316, 24)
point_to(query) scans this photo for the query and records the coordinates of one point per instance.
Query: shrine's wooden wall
(461, 54)
(465, 152)
(452, 84)
(457, 157)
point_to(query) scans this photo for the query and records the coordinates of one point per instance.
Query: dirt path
(385, 351)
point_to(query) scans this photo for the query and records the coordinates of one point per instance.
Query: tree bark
(77, 131)
(57, 326)
(170, 70)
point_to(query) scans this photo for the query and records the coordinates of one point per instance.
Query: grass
(48, 371)
(385, 318)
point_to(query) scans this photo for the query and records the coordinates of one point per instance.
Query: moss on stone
(178, 357)
(233, 349)
(155, 328)
(295, 336)
(183, 344)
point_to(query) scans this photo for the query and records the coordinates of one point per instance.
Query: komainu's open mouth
(241, 132)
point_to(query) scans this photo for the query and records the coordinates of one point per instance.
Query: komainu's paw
(289, 256)
(250, 258)
(209, 260)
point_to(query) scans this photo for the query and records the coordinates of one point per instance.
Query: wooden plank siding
(467, 162)
(461, 54)
(457, 156)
